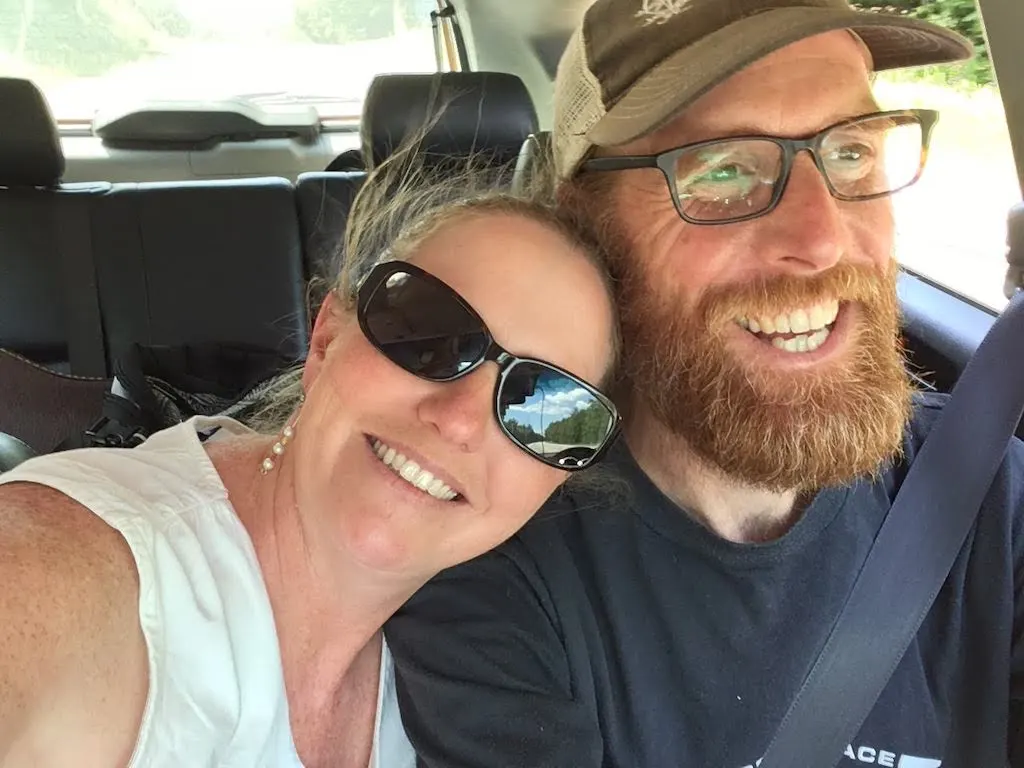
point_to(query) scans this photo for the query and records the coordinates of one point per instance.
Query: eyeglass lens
(735, 178)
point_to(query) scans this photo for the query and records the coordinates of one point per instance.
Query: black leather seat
(171, 263)
(39, 407)
(487, 115)
(324, 200)
(199, 262)
(37, 213)
(88, 269)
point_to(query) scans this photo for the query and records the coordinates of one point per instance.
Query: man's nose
(806, 233)
(460, 410)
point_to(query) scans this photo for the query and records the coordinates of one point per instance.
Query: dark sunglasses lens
(420, 324)
(553, 416)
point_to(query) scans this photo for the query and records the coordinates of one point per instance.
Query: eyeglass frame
(493, 352)
(665, 162)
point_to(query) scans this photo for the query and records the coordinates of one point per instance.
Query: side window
(951, 226)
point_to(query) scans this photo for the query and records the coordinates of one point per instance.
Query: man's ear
(329, 321)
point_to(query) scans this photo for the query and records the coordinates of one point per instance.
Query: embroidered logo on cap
(660, 11)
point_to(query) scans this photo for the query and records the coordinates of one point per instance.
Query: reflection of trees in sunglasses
(585, 427)
(524, 433)
(561, 416)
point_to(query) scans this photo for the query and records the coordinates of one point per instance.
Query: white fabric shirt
(216, 688)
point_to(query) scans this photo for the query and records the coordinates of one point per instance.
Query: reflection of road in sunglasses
(558, 418)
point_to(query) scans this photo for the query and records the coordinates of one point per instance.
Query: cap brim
(680, 79)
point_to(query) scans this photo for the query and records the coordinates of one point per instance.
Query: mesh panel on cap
(578, 106)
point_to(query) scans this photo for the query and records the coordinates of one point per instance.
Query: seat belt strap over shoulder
(87, 352)
(922, 535)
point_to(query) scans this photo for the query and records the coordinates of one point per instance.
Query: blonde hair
(402, 203)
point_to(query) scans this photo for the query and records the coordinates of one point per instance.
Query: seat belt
(912, 556)
(87, 351)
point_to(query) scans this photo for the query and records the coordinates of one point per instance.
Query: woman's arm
(73, 661)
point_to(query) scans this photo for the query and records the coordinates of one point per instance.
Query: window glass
(952, 225)
(93, 54)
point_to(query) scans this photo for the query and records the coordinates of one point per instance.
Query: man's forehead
(795, 91)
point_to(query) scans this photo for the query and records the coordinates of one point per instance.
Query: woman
(219, 602)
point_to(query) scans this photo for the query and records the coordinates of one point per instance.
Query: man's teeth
(800, 320)
(802, 343)
(809, 324)
(410, 471)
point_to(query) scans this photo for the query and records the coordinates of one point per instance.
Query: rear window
(89, 55)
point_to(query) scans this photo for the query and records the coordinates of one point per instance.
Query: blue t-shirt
(615, 631)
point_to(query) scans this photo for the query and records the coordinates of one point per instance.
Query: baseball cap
(633, 65)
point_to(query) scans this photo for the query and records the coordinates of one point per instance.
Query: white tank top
(216, 688)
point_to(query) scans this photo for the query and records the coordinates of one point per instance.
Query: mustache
(769, 296)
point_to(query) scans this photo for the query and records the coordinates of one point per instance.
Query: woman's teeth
(809, 327)
(410, 471)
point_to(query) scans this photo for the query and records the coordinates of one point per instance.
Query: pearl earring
(277, 449)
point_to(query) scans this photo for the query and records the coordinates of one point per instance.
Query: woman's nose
(460, 410)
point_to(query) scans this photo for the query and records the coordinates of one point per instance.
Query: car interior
(201, 221)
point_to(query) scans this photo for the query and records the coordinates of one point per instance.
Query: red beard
(792, 430)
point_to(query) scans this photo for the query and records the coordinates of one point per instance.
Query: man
(666, 609)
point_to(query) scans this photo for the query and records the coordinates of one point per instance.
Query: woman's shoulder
(59, 558)
(55, 553)
(68, 625)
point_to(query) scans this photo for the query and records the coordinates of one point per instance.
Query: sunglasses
(424, 327)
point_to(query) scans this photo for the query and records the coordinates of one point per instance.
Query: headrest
(487, 112)
(30, 153)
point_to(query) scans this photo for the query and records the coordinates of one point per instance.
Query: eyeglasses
(423, 326)
(723, 181)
